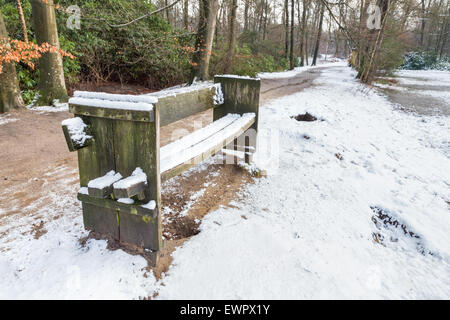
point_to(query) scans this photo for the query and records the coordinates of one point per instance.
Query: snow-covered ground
(308, 230)
(422, 91)
(6, 118)
(297, 70)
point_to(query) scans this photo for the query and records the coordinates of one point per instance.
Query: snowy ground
(297, 70)
(426, 92)
(305, 231)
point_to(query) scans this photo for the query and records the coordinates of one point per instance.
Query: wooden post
(241, 95)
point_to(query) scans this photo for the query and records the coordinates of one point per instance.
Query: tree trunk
(266, 9)
(186, 14)
(302, 31)
(291, 49)
(10, 97)
(306, 48)
(336, 43)
(261, 17)
(22, 21)
(246, 7)
(422, 26)
(51, 75)
(286, 28)
(231, 36)
(319, 34)
(204, 39)
(376, 39)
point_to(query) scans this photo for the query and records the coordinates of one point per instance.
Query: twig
(144, 16)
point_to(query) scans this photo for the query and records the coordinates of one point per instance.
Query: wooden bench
(121, 164)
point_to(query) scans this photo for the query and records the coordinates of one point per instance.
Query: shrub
(425, 60)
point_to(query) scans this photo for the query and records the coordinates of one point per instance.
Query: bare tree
(286, 28)
(246, 8)
(231, 36)
(204, 39)
(291, 50)
(319, 34)
(186, 14)
(302, 25)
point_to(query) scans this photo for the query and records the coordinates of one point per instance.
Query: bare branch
(144, 16)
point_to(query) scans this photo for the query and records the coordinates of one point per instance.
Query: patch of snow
(174, 148)
(4, 119)
(116, 97)
(297, 70)
(83, 190)
(150, 205)
(125, 200)
(76, 128)
(177, 152)
(235, 76)
(105, 181)
(218, 95)
(60, 107)
(424, 77)
(174, 91)
(137, 176)
(112, 104)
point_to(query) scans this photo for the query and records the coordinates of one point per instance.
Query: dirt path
(276, 88)
(35, 163)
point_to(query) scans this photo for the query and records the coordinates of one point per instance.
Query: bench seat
(202, 144)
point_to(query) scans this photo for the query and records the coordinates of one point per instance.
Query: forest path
(278, 87)
(37, 171)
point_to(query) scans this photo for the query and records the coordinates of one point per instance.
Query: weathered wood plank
(182, 105)
(104, 192)
(101, 187)
(129, 191)
(140, 230)
(241, 95)
(110, 113)
(137, 145)
(135, 209)
(98, 159)
(207, 154)
(101, 219)
(72, 143)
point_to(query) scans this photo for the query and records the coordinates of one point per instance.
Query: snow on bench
(130, 186)
(102, 187)
(75, 133)
(204, 142)
(113, 101)
(113, 106)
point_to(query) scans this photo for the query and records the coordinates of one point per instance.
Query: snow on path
(307, 231)
(4, 119)
(308, 228)
(296, 71)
